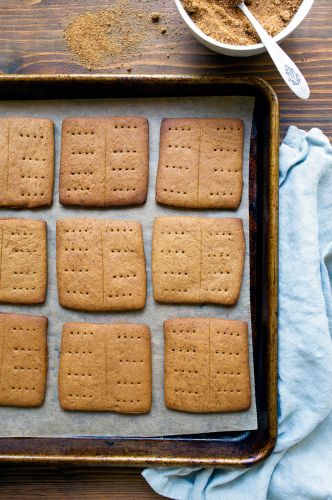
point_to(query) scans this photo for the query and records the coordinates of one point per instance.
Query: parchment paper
(50, 420)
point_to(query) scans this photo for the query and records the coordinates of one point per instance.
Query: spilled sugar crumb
(114, 35)
(224, 22)
(155, 17)
(95, 35)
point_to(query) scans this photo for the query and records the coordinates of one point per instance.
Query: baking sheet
(50, 420)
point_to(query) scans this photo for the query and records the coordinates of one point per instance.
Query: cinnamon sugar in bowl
(222, 29)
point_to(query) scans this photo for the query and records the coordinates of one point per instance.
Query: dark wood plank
(32, 482)
(31, 41)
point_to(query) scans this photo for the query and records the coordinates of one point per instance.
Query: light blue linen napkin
(301, 465)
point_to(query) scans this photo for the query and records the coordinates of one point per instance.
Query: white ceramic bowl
(242, 50)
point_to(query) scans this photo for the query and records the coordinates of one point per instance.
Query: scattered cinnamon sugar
(224, 22)
(100, 38)
(155, 17)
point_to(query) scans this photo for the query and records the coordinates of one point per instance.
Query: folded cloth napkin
(301, 464)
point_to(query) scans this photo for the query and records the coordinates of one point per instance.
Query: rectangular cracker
(176, 259)
(23, 261)
(104, 161)
(23, 364)
(100, 265)
(26, 162)
(222, 260)
(105, 368)
(197, 260)
(206, 365)
(200, 163)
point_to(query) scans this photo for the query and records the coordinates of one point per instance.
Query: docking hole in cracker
(200, 163)
(206, 365)
(100, 265)
(197, 260)
(23, 263)
(104, 161)
(105, 368)
(26, 162)
(23, 364)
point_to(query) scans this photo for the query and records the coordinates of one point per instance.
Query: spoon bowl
(288, 70)
(242, 50)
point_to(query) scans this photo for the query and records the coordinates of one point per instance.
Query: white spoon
(286, 67)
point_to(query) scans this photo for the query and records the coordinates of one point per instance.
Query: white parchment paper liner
(50, 420)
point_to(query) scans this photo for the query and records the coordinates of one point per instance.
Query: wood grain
(31, 41)
(31, 483)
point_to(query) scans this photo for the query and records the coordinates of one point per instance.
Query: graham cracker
(104, 161)
(200, 163)
(23, 261)
(197, 260)
(23, 364)
(100, 265)
(206, 365)
(105, 368)
(26, 162)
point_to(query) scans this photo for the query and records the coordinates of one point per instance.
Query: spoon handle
(286, 67)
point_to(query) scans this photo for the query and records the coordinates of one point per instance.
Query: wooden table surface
(31, 41)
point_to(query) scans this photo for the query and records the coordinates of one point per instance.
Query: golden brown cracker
(229, 365)
(197, 260)
(222, 260)
(23, 364)
(104, 161)
(176, 259)
(186, 363)
(27, 162)
(23, 261)
(105, 368)
(82, 371)
(177, 177)
(100, 265)
(200, 163)
(206, 365)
